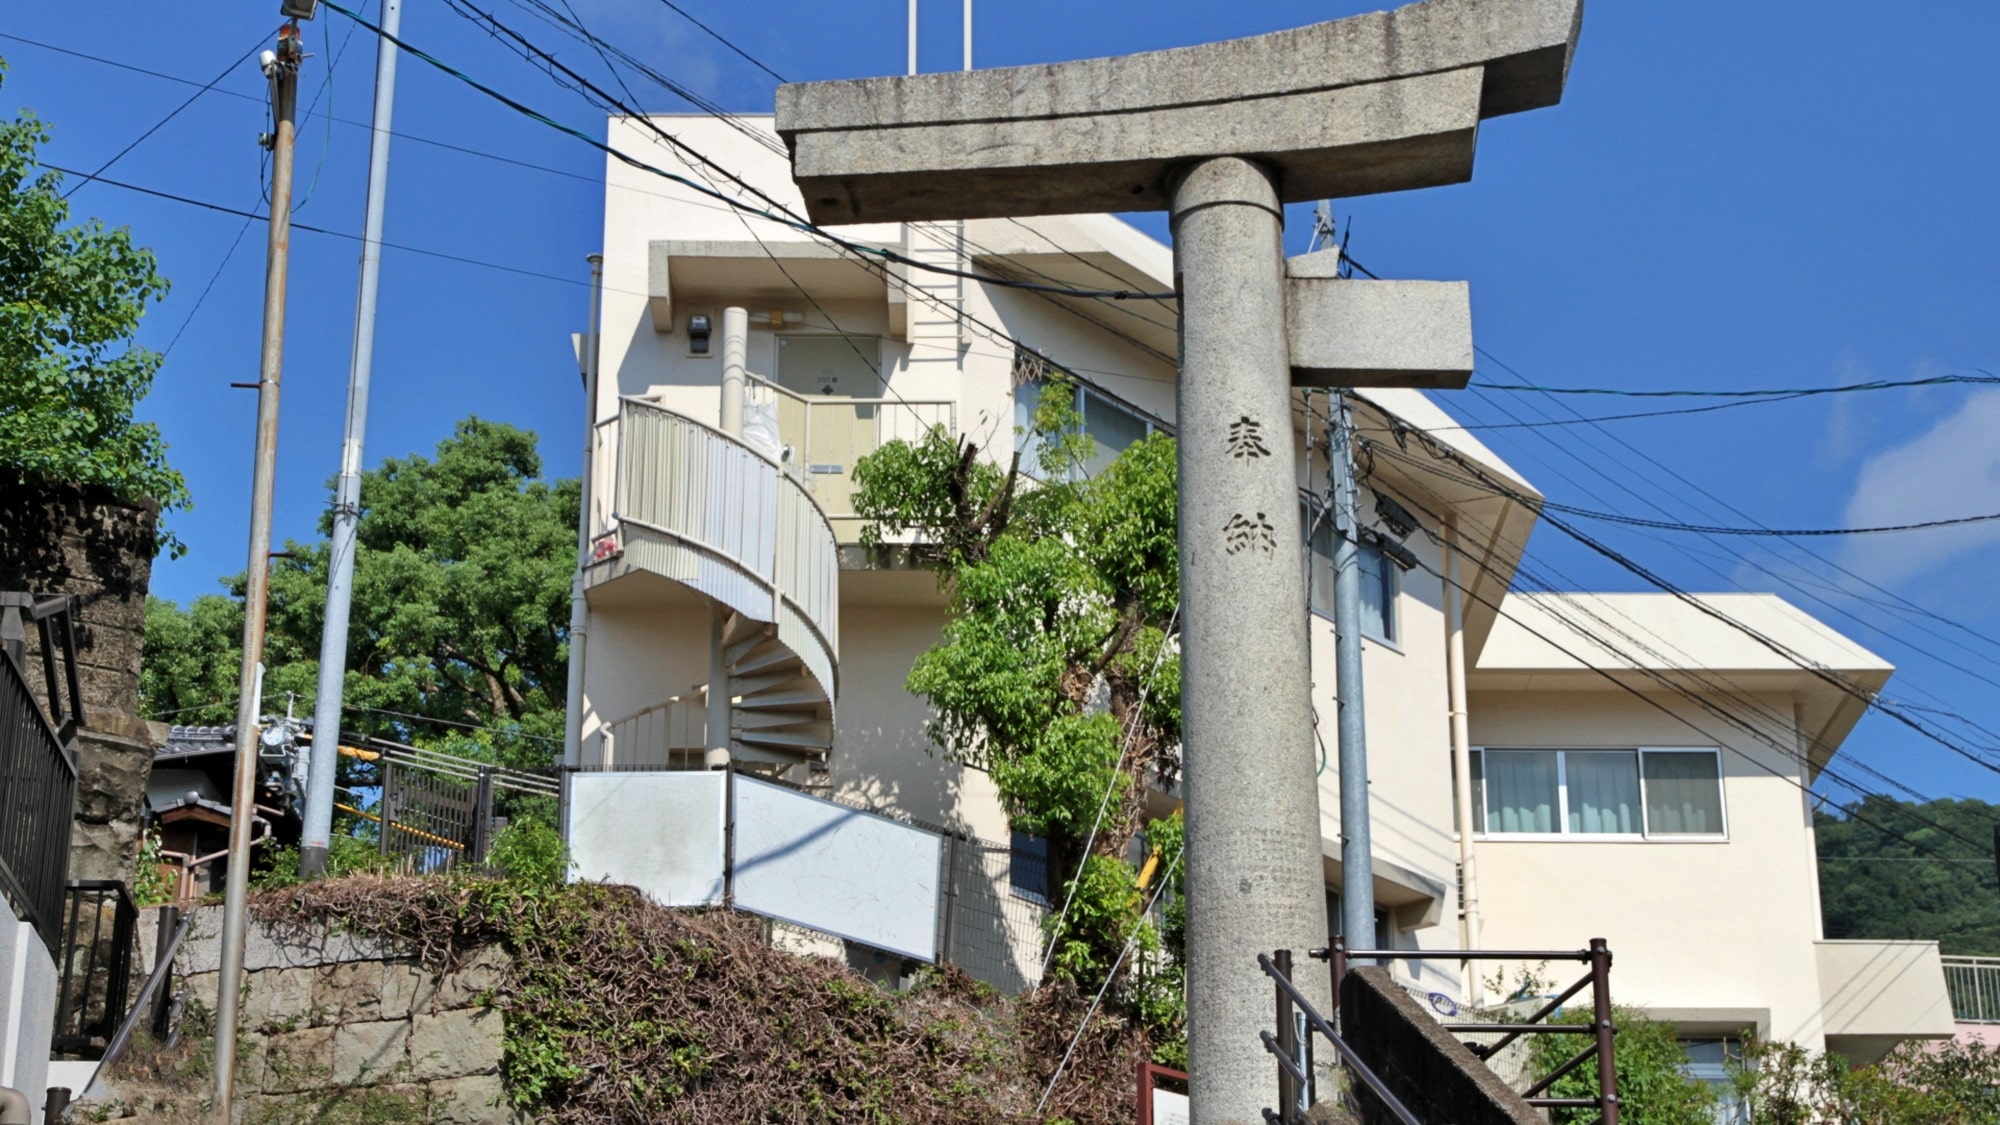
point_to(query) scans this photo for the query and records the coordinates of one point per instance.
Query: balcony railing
(823, 438)
(1974, 984)
(37, 761)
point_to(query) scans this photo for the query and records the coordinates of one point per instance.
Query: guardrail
(37, 760)
(96, 966)
(822, 438)
(1974, 984)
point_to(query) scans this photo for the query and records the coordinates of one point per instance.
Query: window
(1711, 1060)
(1028, 868)
(1379, 578)
(1654, 793)
(1112, 426)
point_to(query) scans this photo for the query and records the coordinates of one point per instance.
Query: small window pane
(1028, 868)
(1603, 791)
(1683, 794)
(1478, 790)
(1319, 559)
(1520, 790)
(1378, 594)
(1111, 427)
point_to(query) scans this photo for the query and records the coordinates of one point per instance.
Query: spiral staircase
(716, 516)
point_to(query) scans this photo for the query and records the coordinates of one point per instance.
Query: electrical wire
(1778, 392)
(205, 290)
(161, 123)
(779, 213)
(717, 36)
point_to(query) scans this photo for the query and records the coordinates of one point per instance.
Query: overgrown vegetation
(71, 298)
(1652, 1069)
(619, 1010)
(1877, 885)
(1943, 1084)
(1059, 671)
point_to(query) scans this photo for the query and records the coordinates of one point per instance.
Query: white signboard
(660, 832)
(835, 869)
(1169, 1108)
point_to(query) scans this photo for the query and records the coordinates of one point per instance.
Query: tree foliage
(460, 610)
(1059, 669)
(71, 297)
(1876, 885)
(1654, 1083)
(1946, 1084)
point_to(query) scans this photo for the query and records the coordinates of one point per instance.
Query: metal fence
(1974, 984)
(99, 925)
(438, 811)
(37, 761)
(984, 927)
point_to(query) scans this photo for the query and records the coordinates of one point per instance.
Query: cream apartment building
(1638, 769)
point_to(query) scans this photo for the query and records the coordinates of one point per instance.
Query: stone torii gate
(1222, 135)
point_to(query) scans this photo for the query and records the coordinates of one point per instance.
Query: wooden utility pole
(281, 67)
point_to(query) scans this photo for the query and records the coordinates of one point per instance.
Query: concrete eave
(1348, 332)
(683, 273)
(1386, 101)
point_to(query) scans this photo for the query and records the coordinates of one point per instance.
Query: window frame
(1391, 579)
(1646, 834)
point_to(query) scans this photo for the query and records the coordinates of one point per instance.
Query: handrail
(1290, 996)
(163, 969)
(637, 400)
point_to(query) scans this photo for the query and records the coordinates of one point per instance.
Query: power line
(206, 289)
(781, 215)
(717, 36)
(1783, 533)
(1779, 392)
(161, 123)
(226, 210)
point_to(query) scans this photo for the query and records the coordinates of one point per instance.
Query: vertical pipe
(1288, 1044)
(318, 828)
(579, 609)
(1357, 868)
(735, 348)
(284, 80)
(1337, 966)
(968, 42)
(718, 686)
(1461, 757)
(913, 36)
(1600, 1002)
(1253, 870)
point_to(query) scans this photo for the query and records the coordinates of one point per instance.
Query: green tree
(1059, 669)
(1874, 884)
(1946, 1084)
(461, 609)
(1655, 1086)
(71, 296)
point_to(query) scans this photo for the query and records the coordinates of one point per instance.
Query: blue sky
(1731, 195)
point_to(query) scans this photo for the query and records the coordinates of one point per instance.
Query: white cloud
(1951, 470)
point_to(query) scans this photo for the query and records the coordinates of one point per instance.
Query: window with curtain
(1683, 793)
(1380, 580)
(1112, 426)
(1636, 792)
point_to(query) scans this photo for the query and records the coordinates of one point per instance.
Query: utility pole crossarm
(1386, 101)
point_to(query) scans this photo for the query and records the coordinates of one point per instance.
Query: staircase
(722, 519)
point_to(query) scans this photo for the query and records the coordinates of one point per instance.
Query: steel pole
(317, 833)
(284, 80)
(1461, 758)
(579, 609)
(1253, 834)
(1357, 872)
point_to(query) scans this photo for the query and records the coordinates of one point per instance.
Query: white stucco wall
(1702, 932)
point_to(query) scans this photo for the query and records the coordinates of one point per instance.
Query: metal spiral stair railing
(708, 511)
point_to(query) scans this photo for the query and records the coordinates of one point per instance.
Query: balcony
(821, 438)
(1876, 994)
(1974, 985)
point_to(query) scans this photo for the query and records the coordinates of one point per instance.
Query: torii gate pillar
(1222, 135)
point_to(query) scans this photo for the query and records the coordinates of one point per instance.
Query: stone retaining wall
(338, 1029)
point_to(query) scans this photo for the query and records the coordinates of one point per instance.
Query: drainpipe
(1461, 752)
(579, 610)
(735, 346)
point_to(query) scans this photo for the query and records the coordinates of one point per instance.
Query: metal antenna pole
(913, 36)
(968, 34)
(282, 68)
(1357, 874)
(318, 829)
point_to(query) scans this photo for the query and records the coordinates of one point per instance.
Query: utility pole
(281, 68)
(318, 828)
(579, 609)
(1357, 869)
